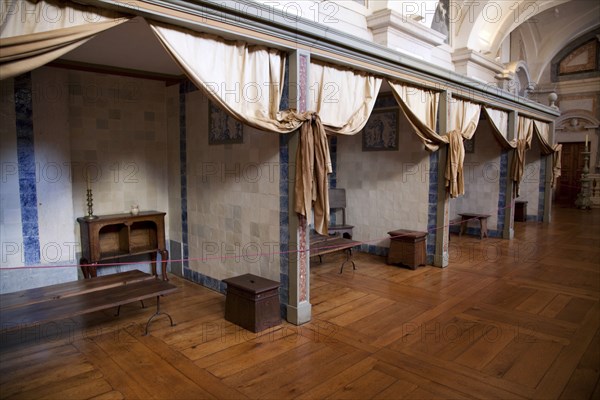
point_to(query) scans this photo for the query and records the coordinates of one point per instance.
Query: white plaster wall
(233, 200)
(385, 190)
(481, 177)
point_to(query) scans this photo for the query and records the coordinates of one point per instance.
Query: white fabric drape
(522, 144)
(542, 130)
(343, 98)
(244, 80)
(499, 121)
(33, 33)
(247, 82)
(420, 106)
(464, 118)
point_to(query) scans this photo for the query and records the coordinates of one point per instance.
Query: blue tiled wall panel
(432, 213)
(502, 203)
(542, 189)
(26, 161)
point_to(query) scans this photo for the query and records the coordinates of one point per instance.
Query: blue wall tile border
(502, 203)
(26, 166)
(432, 214)
(183, 89)
(542, 189)
(284, 201)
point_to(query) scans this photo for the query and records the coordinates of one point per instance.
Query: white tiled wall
(233, 199)
(482, 178)
(530, 185)
(385, 190)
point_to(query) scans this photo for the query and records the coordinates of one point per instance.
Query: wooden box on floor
(252, 302)
(407, 248)
(520, 211)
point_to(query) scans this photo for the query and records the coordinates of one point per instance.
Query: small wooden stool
(252, 302)
(482, 218)
(407, 248)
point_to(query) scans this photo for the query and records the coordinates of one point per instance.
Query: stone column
(443, 203)
(509, 215)
(298, 307)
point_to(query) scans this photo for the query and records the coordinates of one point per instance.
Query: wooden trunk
(252, 302)
(407, 248)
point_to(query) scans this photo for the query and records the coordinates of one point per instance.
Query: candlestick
(90, 205)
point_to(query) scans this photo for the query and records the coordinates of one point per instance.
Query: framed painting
(223, 128)
(381, 131)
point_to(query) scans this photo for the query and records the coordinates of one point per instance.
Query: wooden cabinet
(110, 237)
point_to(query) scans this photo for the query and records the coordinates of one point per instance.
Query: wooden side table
(408, 248)
(110, 237)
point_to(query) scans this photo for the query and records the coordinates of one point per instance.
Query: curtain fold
(247, 82)
(556, 164)
(37, 32)
(464, 118)
(499, 121)
(522, 144)
(542, 130)
(420, 106)
(343, 98)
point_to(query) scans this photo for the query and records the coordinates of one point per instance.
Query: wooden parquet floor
(507, 319)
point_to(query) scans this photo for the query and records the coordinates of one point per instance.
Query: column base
(299, 315)
(441, 260)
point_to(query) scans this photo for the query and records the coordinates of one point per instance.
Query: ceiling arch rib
(483, 25)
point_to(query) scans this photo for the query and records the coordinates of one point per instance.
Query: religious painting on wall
(222, 127)
(441, 18)
(381, 131)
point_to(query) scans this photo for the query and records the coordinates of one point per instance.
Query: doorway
(569, 183)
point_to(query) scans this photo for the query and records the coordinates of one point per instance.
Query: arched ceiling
(545, 26)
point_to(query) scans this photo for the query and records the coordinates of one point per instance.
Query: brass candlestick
(90, 205)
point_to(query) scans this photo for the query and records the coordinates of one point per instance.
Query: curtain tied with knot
(219, 67)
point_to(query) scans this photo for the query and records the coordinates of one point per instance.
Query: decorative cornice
(270, 26)
(389, 19)
(467, 55)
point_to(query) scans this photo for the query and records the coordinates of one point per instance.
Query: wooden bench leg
(158, 312)
(483, 224)
(119, 308)
(348, 259)
(463, 226)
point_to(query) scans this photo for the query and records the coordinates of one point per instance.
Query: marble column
(509, 216)
(442, 237)
(299, 308)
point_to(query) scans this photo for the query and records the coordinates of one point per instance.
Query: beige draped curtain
(464, 117)
(556, 164)
(420, 106)
(343, 98)
(33, 33)
(542, 130)
(522, 144)
(499, 122)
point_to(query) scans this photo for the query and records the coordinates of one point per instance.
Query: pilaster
(299, 309)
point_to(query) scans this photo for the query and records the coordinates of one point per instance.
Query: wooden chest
(407, 248)
(252, 302)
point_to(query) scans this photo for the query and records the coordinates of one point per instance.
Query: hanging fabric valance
(542, 130)
(343, 98)
(247, 82)
(420, 106)
(499, 122)
(33, 33)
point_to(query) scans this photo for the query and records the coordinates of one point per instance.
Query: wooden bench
(482, 218)
(321, 245)
(66, 300)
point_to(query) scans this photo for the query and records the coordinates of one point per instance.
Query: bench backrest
(337, 201)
